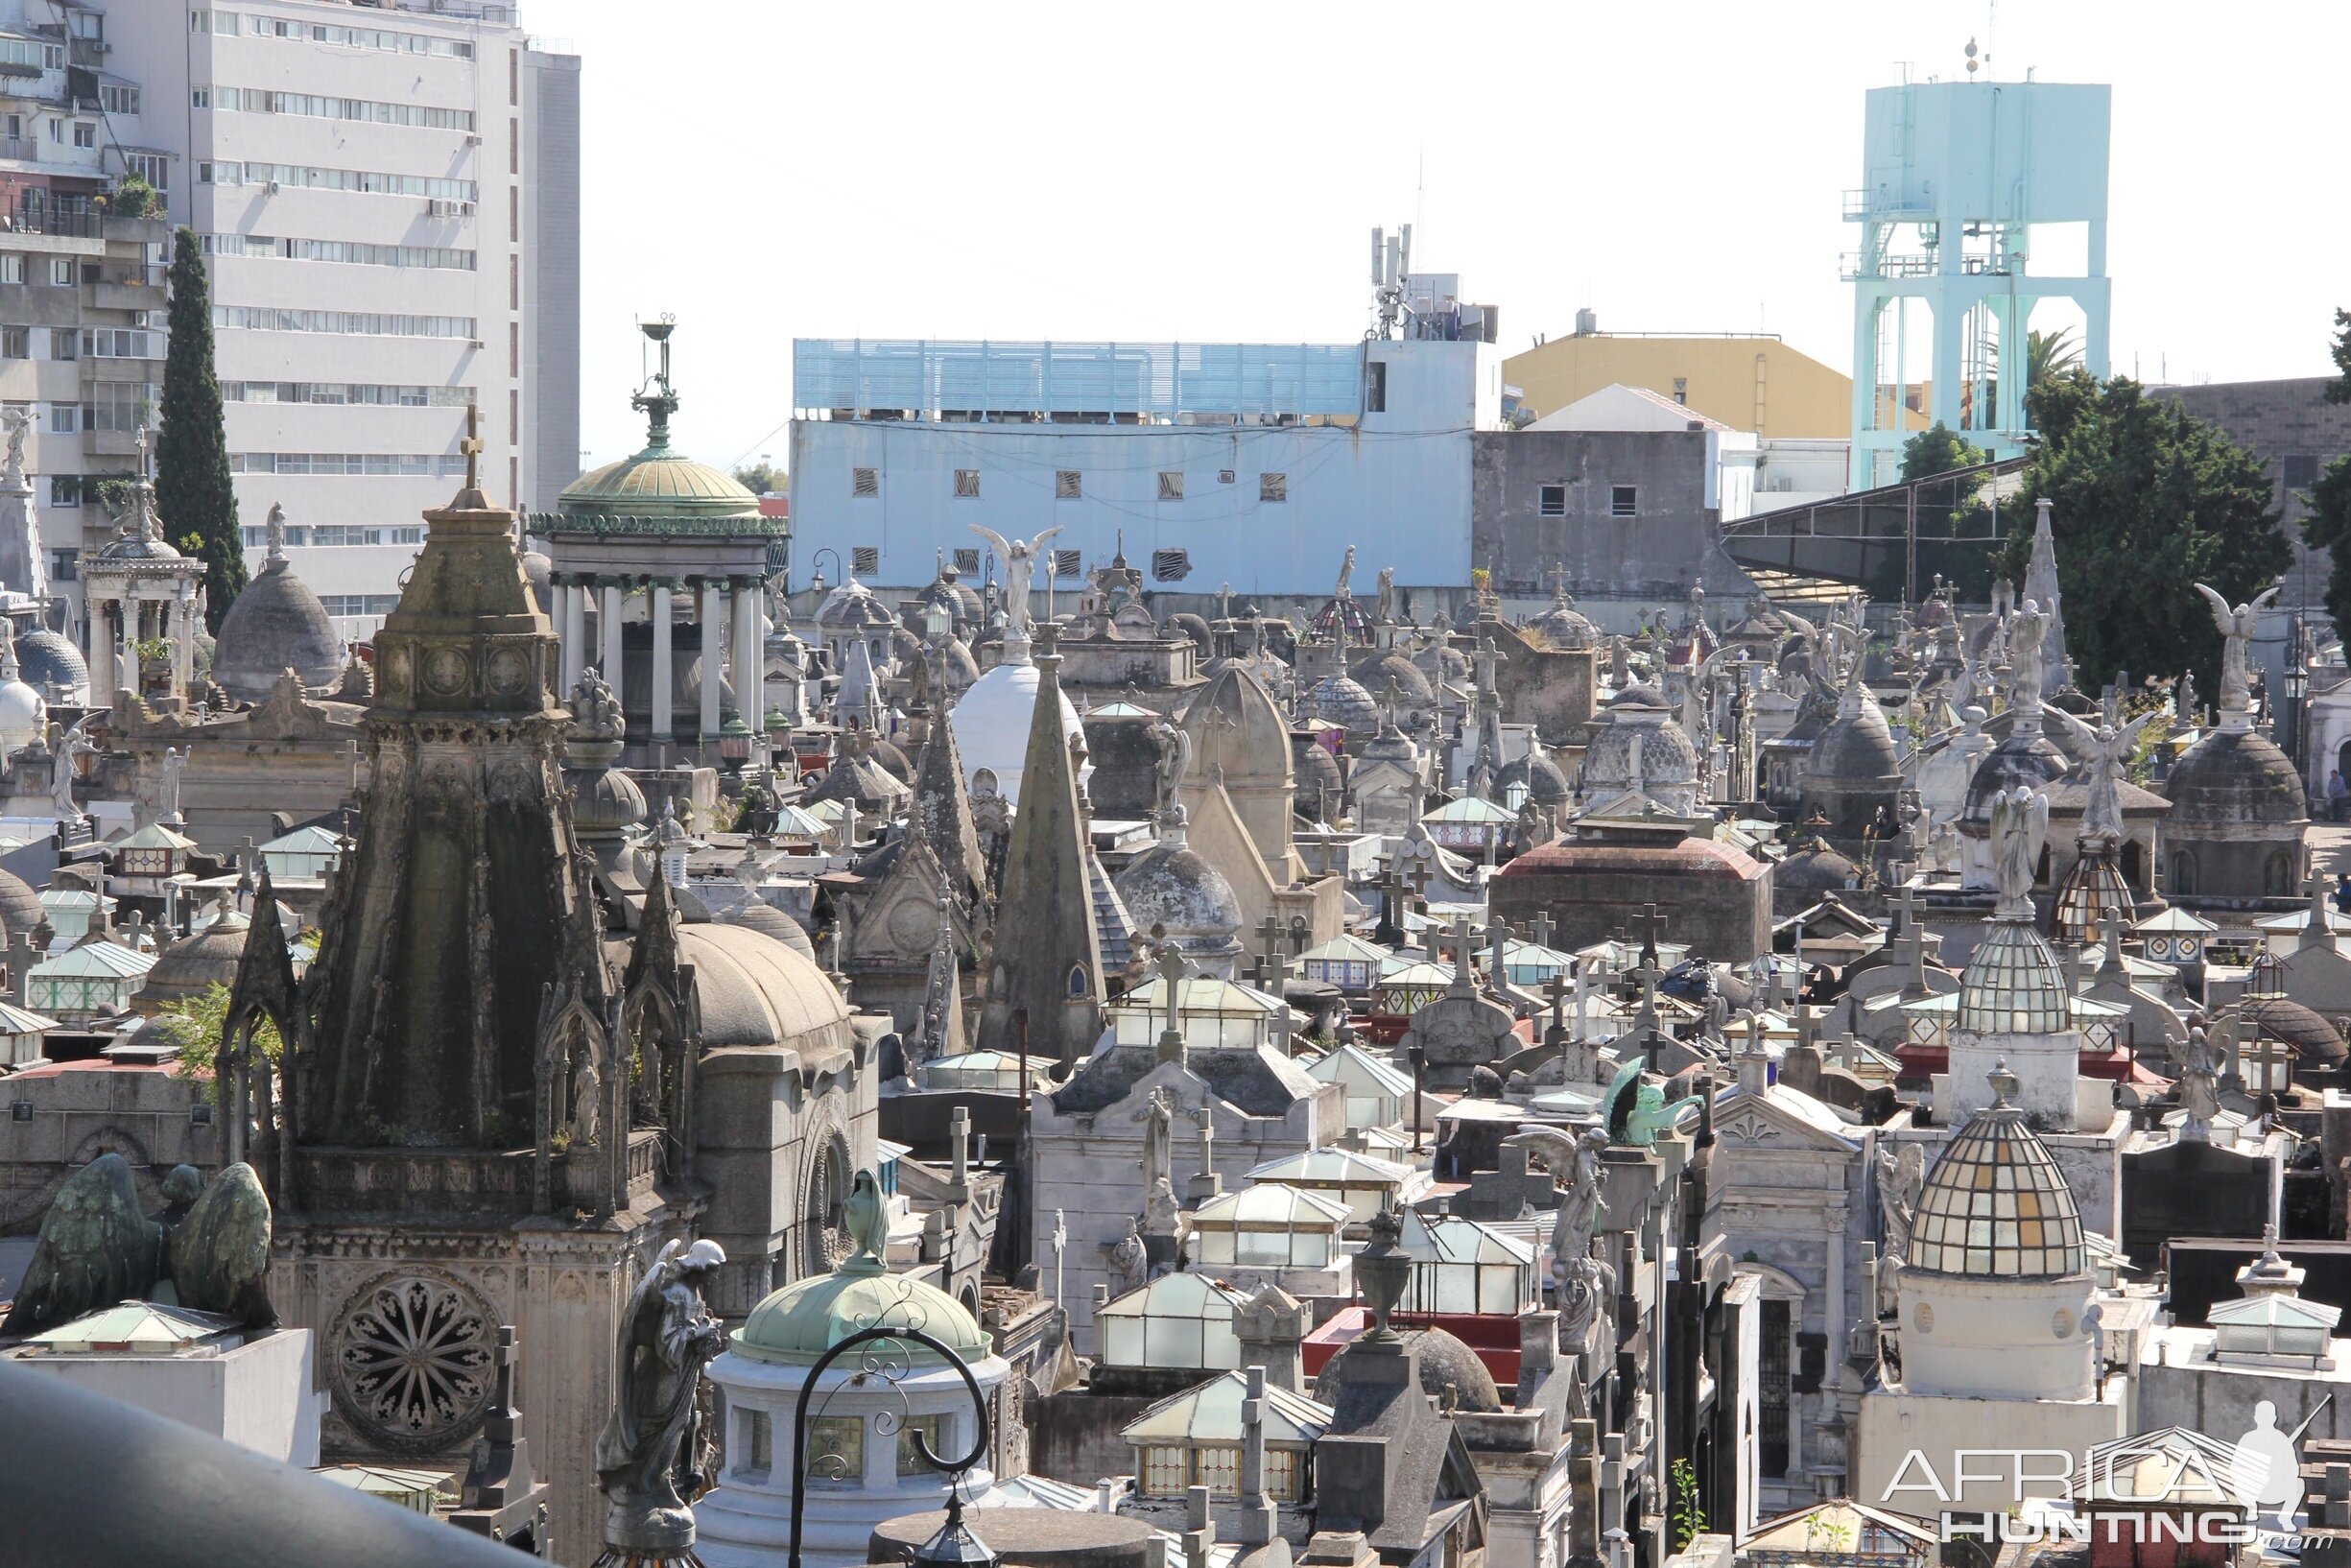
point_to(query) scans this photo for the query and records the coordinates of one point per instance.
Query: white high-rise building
(389, 194)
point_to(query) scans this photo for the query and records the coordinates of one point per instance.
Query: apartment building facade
(389, 195)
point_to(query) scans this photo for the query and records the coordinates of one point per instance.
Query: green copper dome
(797, 1325)
(658, 482)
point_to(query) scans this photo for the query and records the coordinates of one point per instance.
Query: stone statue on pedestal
(1018, 557)
(2237, 626)
(646, 1451)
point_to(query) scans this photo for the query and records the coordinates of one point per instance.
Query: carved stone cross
(471, 446)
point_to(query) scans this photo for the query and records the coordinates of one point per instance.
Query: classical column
(710, 624)
(102, 652)
(183, 640)
(664, 676)
(609, 631)
(749, 655)
(571, 605)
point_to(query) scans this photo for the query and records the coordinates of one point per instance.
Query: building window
(1068, 484)
(2301, 470)
(1273, 487)
(864, 481)
(15, 343)
(967, 483)
(1553, 501)
(1375, 387)
(155, 168)
(116, 100)
(1171, 485)
(1624, 501)
(60, 271)
(1171, 565)
(758, 1452)
(65, 342)
(61, 566)
(64, 418)
(934, 1429)
(1681, 390)
(1773, 1377)
(86, 135)
(12, 269)
(967, 561)
(64, 489)
(1165, 1474)
(200, 98)
(837, 1450)
(1068, 564)
(1282, 1476)
(865, 559)
(1219, 1469)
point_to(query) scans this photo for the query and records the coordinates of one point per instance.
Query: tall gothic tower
(466, 1135)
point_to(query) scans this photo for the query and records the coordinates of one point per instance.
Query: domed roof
(24, 713)
(1562, 629)
(2012, 984)
(962, 605)
(604, 800)
(2027, 759)
(853, 606)
(1253, 746)
(1640, 695)
(20, 907)
(1170, 885)
(1445, 1363)
(1666, 756)
(1814, 867)
(2315, 1042)
(1186, 624)
(1337, 700)
(796, 1326)
(887, 755)
(48, 659)
(1546, 785)
(990, 722)
(754, 990)
(539, 573)
(1373, 675)
(1996, 1207)
(1855, 745)
(191, 965)
(276, 624)
(1313, 771)
(1442, 661)
(2234, 777)
(1390, 745)
(757, 915)
(658, 482)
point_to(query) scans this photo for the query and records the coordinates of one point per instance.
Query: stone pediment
(1463, 1029)
(899, 924)
(1744, 1117)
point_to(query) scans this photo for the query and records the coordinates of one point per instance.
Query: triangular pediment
(1761, 1121)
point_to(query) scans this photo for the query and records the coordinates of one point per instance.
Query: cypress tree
(194, 495)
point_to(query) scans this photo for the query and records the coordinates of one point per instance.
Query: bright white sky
(1212, 172)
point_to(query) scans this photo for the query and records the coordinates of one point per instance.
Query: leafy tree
(1689, 1508)
(2148, 502)
(193, 489)
(763, 478)
(195, 1023)
(2327, 524)
(132, 198)
(1937, 451)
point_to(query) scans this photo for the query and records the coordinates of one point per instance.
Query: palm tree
(2048, 354)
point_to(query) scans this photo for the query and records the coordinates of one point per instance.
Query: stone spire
(457, 902)
(942, 806)
(1047, 957)
(2041, 587)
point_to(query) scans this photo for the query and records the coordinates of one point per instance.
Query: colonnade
(726, 604)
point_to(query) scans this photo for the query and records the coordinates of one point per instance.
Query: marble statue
(1018, 557)
(1387, 595)
(2199, 1092)
(1347, 574)
(2237, 626)
(1175, 761)
(586, 1105)
(1635, 1111)
(646, 1452)
(2026, 630)
(2020, 827)
(2106, 751)
(1130, 1262)
(167, 802)
(1901, 1177)
(1162, 1215)
(16, 421)
(63, 768)
(595, 709)
(1158, 1151)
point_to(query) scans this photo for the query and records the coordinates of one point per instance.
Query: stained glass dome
(2012, 984)
(1996, 1206)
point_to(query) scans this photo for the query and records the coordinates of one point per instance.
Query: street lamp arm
(922, 1445)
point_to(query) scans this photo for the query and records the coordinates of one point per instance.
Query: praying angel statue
(2236, 636)
(2020, 827)
(1019, 557)
(2105, 750)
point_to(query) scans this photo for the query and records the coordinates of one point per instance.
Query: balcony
(70, 223)
(123, 295)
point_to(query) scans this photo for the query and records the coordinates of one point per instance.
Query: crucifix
(471, 446)
(2268, 1055)
(1558, 992)
(1418, 876)
(1542, 928)
(1651, 925)
(1391, 929)
(1269, 932)
(1460, 947)
(1498, 935)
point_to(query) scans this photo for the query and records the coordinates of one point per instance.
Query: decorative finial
(2004, 1086)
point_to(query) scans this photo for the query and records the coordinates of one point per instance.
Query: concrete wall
(1396, 484)
(81, 1112)
(2288, 424)
(1749, 383)
(258, 1395)
(1657, 553)
(1074, 1436)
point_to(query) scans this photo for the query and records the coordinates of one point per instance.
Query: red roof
(1702, 857)
(776, 506)
(95, 1065)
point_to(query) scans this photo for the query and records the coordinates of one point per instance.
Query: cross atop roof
(471, 446)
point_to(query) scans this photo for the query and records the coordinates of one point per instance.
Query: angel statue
(1019, 559)
(2020, 827)
(1635, 1112)
(1387, 595)
(64, 766)
(646, 1452)
(97, 1248)
(2236, 636)
(2105, 750)
(2027, 631)
(1347, 574)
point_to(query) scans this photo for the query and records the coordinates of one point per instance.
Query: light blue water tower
(1956, 177)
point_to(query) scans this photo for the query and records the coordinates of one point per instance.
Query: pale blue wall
(1399, 488)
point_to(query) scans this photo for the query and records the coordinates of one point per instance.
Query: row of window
(835, 1447)
(316, 464)
(326, 535)
(356, 253)
(232, 23)
(1069, 483)
(360, 604)
(32, 53)
(342, 393)
(59, 274)
(123, 406)
(369, 181)
(90, 343)
(1067, 565)
(323, 107)
(1624, 501)
(361, 323)
(1170, 1470)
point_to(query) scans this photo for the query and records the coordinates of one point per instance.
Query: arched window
(2134, 865)
(1076, 980)
(2277, 876)
(2183, 873)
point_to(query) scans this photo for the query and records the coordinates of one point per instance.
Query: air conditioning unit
(464, 209)
(472, 140)
(473, 342)
(271, 189)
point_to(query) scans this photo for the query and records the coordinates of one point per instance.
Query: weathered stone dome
(852, 607)
(1640, 695)
(2315, 1042)
(1185, 623)
(1859, 745)
(2027, 759)
(20, 907)
(1313, 777)
(277, 624)
(1442, 662)
(768, 920)
(1562, 629)
(1337, 700)
(193, 965)
(1814, 867)
(2234, 777)
(1666, 756)
(1546, 785)
(604, 800)
(1445, 1363)
(1373, 675)
(1170, 885)
(48, 659)
(754, 990)
(891, 760)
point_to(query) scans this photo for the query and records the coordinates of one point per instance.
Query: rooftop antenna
(1392, 261)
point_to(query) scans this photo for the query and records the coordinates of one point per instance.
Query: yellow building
(1747, 382)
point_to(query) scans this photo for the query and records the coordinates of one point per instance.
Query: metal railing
(75, 223)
